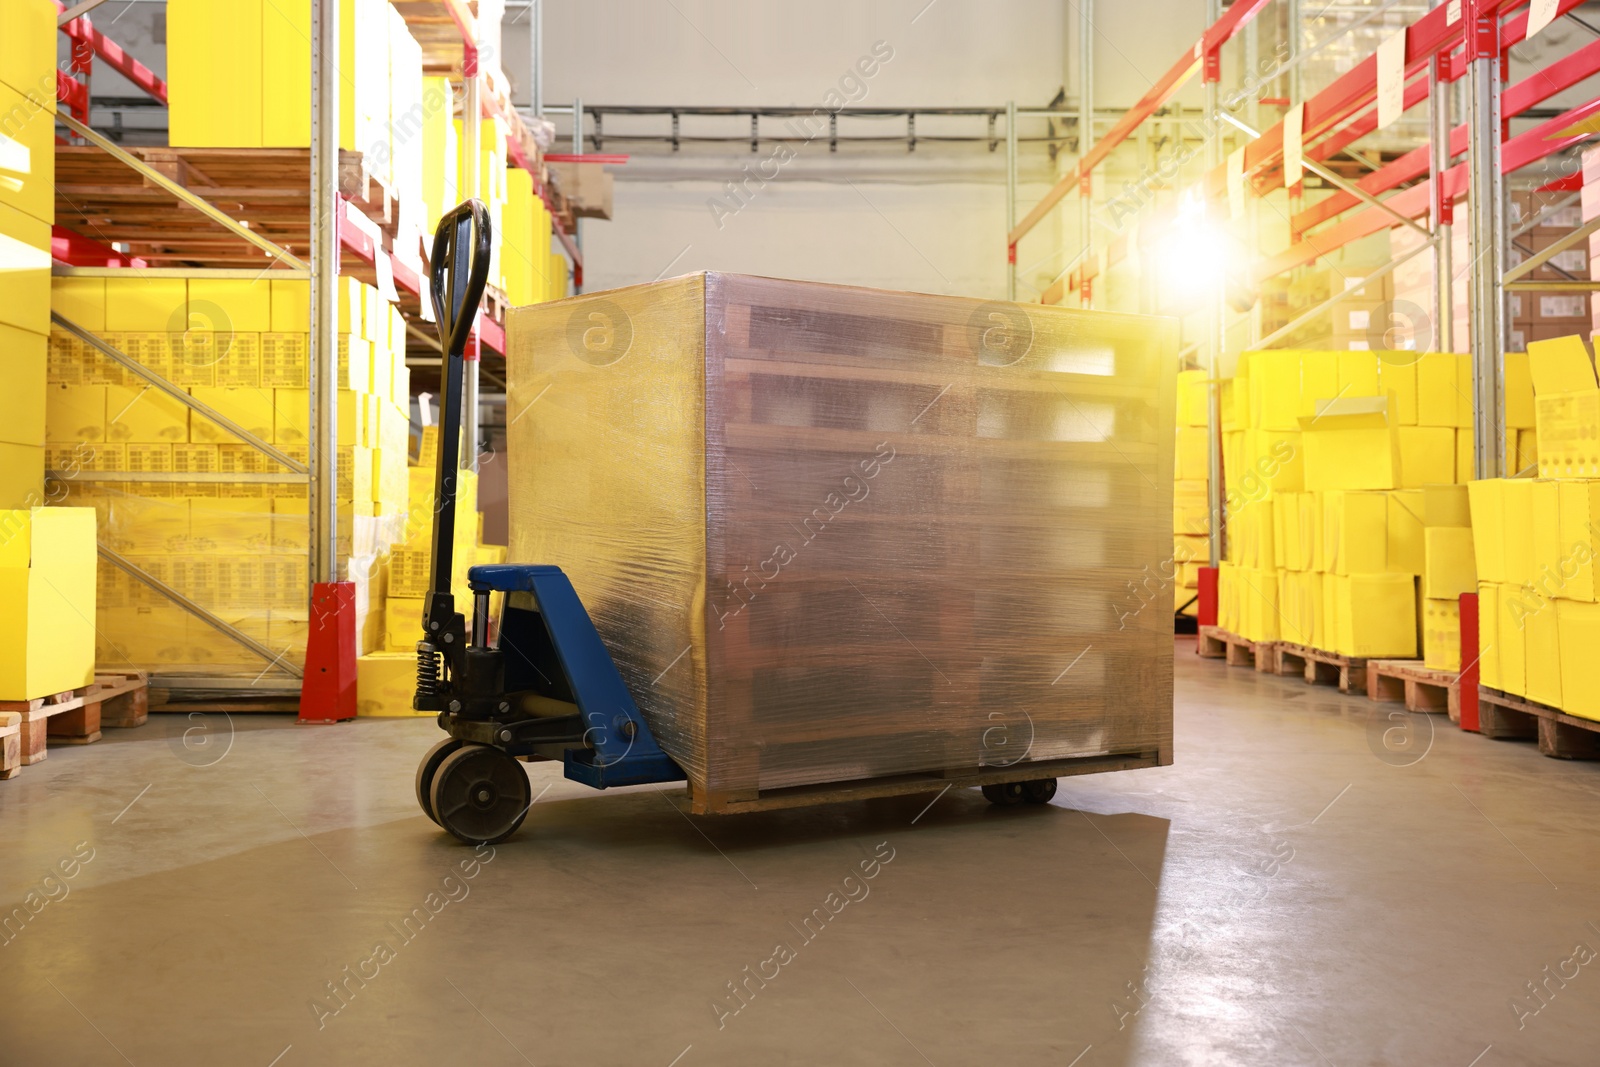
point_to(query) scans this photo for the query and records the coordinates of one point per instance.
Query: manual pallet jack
(545, 687)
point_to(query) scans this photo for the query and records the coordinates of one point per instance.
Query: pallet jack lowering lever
(458, 270)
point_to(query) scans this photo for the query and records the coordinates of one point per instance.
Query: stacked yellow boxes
(1191, 518)
(27, 210)
(47, 592)
(237, 548)
(1534, 545)
(1326, 456)
(525, 258)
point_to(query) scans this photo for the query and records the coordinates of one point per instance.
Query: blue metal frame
(602, 696)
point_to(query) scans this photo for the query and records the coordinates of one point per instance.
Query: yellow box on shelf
(1350, 444)
(25, 256)
(1427, 456)
(1519, 391)
(24, 360)
(81, 300)
(1489, 635)
(47, 595)
(1441, 634)
(143, 414)
(402, 623)
(27, 153)
(1404, 545)
(1446, 505)
(1437, 397)
(137, 304)
(1192, 454)
(1566, 408)
(1193, 394)
(28, 51)
(251, 409)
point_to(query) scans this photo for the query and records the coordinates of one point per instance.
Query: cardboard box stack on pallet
(821, 527)
(1535, 540)
(1191, 501)
(1329, 459)
(1411, 324)
(1544, 316)
(238, 549)
(47, 554)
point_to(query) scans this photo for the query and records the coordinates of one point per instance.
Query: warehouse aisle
(1284, 894)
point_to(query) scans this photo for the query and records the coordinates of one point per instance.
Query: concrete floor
(1292, 891)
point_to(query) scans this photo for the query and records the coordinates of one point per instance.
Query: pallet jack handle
(458, 270)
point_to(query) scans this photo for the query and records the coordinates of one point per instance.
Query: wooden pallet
(727, 803)
(1213, 642)
(1560, 736)
(1420, 688)
(1349, 673)
(75, 717)
(10, 744)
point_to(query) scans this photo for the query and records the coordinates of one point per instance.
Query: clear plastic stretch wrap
(833, 534)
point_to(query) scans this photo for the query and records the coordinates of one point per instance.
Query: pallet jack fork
(544, 686)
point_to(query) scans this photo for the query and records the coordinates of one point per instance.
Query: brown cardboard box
(588, 188)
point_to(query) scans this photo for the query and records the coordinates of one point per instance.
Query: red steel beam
(1526, 94)
(1165, 88)
(1523, 149)
(82, 30)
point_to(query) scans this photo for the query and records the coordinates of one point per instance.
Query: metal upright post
(1011, 194)
(1487, 222)
(577, 150)
(322, 376)
(1214, 156)
(537, 58)
(472, 178)
(1085, 136)
(1440, 214)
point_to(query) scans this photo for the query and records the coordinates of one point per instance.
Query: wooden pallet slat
(73, 717)
(1420, 688)
(1503, 716)
(1319, 667)
(1213, 642)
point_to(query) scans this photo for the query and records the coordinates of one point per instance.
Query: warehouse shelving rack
(343, 230)
(1460, 40)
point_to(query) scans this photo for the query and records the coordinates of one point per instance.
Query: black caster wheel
(480, 794)
(1004, 795)
(1039, 791)
(428, 768)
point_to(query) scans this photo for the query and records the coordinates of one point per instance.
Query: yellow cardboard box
(1427, 456)
(1566, 408)
(1578, 538)
(1375, 615)
(1446, 505)
(28, 50)
(1519, 391)
(1405, 551)
(1517, 603)
(1358, 374)
(1397, 380)
(23, 361)
(1517, 522)
(28, 161)
(1437, 389)
(1355, 531)
(144, 415)
(1350, 444)
(47, 595)
(82, 300)
(385, 684)
(1441, 634)
(1193, 392)
(1448, 569)
(1489, 635)
(1578, 629)
(251, 409)
(1488, 528)
(139, 304)
(25, 241)
(1542, 654)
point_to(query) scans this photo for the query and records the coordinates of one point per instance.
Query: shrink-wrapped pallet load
(832, 535)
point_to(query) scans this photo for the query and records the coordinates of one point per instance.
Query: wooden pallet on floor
(10, 744)
(1318, 667)
(1560, 736)
(1420, 688)
(1213, 642)
(75, 717)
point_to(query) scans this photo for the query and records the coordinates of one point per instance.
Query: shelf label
(1293, 140)
(1452, 13)
(380, 260)
(1391, 79)
(1541, 13)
